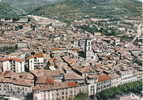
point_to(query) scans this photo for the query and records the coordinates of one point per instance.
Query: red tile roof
(73, 76)
(14, 78)
(75, 49)
(26, 75)
(45, 80)
(103, 77)
(57, 85)
(72, 84)
(42, 72)
(86, 69)
(54, 49)
(38, 55)
(69, 60)
(12, 58)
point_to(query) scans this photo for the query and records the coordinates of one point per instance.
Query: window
(71, 91)
(62, 97)
(92, 57)
(57, 93)
(35, 59)
(63, 93)
(35, 98)
(88, 48)
(88, 43)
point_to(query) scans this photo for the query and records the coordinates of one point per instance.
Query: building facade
(14, 90)
(65, 93)
(86, 47)
(35, 61)
(129, 76)
(104, 82)
(13, 63)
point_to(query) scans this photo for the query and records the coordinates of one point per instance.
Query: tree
(81, 96)
(134, 87)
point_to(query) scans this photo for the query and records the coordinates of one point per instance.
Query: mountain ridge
(7, 11)
(76, 9)
(69, 10)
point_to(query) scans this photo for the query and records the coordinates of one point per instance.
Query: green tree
(81, 96)
(134, 87)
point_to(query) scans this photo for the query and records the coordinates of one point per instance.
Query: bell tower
(89, 54)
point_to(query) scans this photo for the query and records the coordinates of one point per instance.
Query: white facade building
(92, 86)
(128, 76)
(35, 61)
(60, 93)
(12, 63)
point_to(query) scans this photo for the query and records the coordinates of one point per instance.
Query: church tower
(89, 54)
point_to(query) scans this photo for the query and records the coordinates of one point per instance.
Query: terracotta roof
(75, 49)
(8, 42)
(72, 76)
(52, 59)
(103, 77)
(26, 75)
(57, 85)
(17, 81)
(13, 78)
(38, 55)
(9, 74)
(12, 58)
(86, 69)
(42, 72)
(69, 60)
(45, 80)
(72, 84)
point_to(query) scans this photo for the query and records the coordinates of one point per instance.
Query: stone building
(86, 47)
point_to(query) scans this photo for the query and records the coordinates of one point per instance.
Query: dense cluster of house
(42, 84)
(60, 73)
(51, 62)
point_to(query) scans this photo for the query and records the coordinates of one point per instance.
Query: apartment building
(59, 91)
(129, 76)
(91, 80)
(12, 63)
(104, 82)
(35, 61)
(115, 79)
(13, 85)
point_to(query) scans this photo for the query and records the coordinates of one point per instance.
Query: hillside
(69, 10)
(6, 11)
(28, 4)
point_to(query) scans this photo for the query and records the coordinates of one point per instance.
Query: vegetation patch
(81, 96)
(134, 87)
